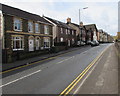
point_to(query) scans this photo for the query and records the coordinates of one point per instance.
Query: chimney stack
(68, 20)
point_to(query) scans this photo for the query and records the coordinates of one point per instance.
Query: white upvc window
(73, 41)
(61, 39)
(17, 24)
(30, 26)
(37, 43)
(37, 28)
(17, 43)
(72, 32)
(61, 30)
(46, 29)
(46, 42)
(66, 31)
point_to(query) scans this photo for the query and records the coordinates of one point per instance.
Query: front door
(31, 45)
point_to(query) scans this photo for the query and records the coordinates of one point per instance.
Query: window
(18, 42)
(66, 31)
(68, 42)
(61, 39)
(30, 26)
(46, 29)
(73, 41)
(61, 29)
(37, 42)
(46, 43)
(17, 24)
(37, 28)
(72, 32)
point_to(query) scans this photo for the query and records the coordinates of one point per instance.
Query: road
(103, 77)
(51, 76)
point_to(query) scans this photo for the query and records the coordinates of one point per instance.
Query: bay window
(18, 42)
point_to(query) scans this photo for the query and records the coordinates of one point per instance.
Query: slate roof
(20, 13)
(76, 24)
(87, 27)
(59, 23)
(92, 26)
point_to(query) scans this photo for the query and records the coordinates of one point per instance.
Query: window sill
(30, 31)
(18, 30)
(46, 47)
(37, 32)
(46, 33)
(17, 49)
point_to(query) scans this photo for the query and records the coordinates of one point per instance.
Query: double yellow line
(68, 89)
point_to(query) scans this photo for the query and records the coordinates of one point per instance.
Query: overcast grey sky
(100, 12)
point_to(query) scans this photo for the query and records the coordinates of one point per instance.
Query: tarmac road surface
(53, 76)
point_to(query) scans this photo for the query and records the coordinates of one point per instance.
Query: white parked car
(82, 43)
(94, 43)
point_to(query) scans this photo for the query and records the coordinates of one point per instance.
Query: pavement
(18, 63)
(53, 76)
(103, 78)
(117, 45)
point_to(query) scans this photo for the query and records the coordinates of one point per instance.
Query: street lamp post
(81, 22)
(80, 14)
(80, 35)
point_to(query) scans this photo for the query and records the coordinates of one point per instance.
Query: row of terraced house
(26, 35)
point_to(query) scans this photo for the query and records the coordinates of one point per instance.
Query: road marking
(81, 75)
(84, 52)
(75, 80)
(86, 77)
(65, 60)
(20, 78)
(36, 62)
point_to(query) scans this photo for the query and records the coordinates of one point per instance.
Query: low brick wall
(23, 55)
(19, 55)
(59, 48)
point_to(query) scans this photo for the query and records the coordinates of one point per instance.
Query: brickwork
(9, 32)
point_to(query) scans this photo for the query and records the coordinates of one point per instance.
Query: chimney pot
(68, 20)
(81, 23)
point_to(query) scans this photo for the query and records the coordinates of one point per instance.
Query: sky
(103, 13)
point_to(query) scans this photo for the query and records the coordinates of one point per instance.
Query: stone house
(63, 34)
(80, 31)
(92, 32)
(24, 34)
